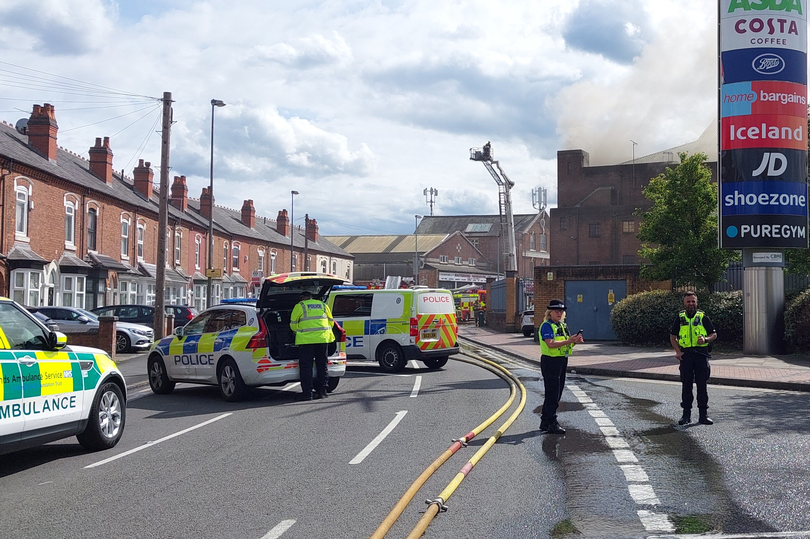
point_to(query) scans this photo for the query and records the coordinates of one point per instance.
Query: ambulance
(393, 327)
(50, 391)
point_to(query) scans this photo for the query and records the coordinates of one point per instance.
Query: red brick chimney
(249, 214)
(101, 160)
(206, 202)
(42, 130)
(312, 230)
(283, 223)
(179, 197)
(143, 178)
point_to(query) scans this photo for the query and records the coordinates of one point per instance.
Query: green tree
(679, 232)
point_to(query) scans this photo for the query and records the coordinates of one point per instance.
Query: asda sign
(786, 6)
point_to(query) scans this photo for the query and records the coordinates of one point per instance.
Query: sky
(361, 105)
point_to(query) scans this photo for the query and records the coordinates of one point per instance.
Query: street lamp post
(210, 291)
(292, 215)
(416, 249)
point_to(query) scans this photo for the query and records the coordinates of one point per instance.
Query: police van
(393, 327)
(50, 391)
(237, 345)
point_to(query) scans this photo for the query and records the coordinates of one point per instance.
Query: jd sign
(762, 5)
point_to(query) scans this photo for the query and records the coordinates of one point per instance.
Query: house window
(593, 230)
(260, 256)
(92, 223)
(532, 244)
(26, 285)
(334, 267)
(563, 223)
(128, 292)
(73, 290)
(141, 235)
(471, 261)
(474, 242)
(272, 262)
(70, 224)
(235, 251)
(457, 260)
(200, 296)
(628, 227)
(543, 243)
(628, 259)
(22, 211)
(178, 236)
(124, 238)
(443, 258)
(225, 256)
(197, 242)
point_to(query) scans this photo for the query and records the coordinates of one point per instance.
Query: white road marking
(279, 529)
(380, 437)
(152, 444)
(634, 473)
(416, 385)
(290, 387)
(637, 479)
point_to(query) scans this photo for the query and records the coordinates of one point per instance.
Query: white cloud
(362, 105)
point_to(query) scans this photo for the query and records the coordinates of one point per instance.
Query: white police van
(50, 391)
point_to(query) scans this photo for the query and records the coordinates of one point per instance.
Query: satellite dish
(22, 126)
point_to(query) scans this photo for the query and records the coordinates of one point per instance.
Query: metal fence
(497, 300)
(733, 280)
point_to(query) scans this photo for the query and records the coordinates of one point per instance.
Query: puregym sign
(763, 130)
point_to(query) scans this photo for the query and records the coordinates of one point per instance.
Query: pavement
(609, 358)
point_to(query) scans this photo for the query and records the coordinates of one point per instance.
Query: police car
(237, 346)
(50, 391)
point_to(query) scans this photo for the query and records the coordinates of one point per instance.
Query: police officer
(556, 344)
(311, 321)
(690, 337)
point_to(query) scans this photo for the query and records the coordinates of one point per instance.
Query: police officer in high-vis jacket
(690, 336)
(556, 344)
(311, 321)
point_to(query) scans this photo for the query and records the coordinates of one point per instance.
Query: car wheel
(231, 386)
(332, 384)
(527, 332)
(107, 417)
(121, 343)
(390, 357)
(436, 362)
(158, 379)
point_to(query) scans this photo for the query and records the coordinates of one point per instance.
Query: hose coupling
(439, 502)
(463, 441)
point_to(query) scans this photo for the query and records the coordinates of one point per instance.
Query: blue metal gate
(589, 304)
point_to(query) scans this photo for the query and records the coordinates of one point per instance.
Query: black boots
(705, 420)
(551, 428)
(685, 419)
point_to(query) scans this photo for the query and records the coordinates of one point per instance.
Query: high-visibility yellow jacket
(311, 321)
(560, 334)
(691, 329)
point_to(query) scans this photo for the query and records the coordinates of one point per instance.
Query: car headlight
(143, 332)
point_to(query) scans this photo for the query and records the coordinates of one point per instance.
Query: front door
(589, 304)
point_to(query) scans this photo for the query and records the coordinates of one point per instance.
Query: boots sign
(763, 138)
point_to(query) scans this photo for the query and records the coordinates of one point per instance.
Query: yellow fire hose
(406, 498)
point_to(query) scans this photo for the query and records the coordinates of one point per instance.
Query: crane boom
(485, 156)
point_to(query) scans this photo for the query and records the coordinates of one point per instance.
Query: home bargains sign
(763, 138)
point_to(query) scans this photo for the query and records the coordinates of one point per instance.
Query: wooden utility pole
(163, 220)
(306, 242)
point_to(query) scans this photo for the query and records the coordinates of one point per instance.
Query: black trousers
(307, 355)
(695, 370)
(553, 371)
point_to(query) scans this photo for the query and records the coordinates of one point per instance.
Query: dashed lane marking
(380, 437)
(638, 482)
(153, 444)
(279, 529)
(416, 385)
